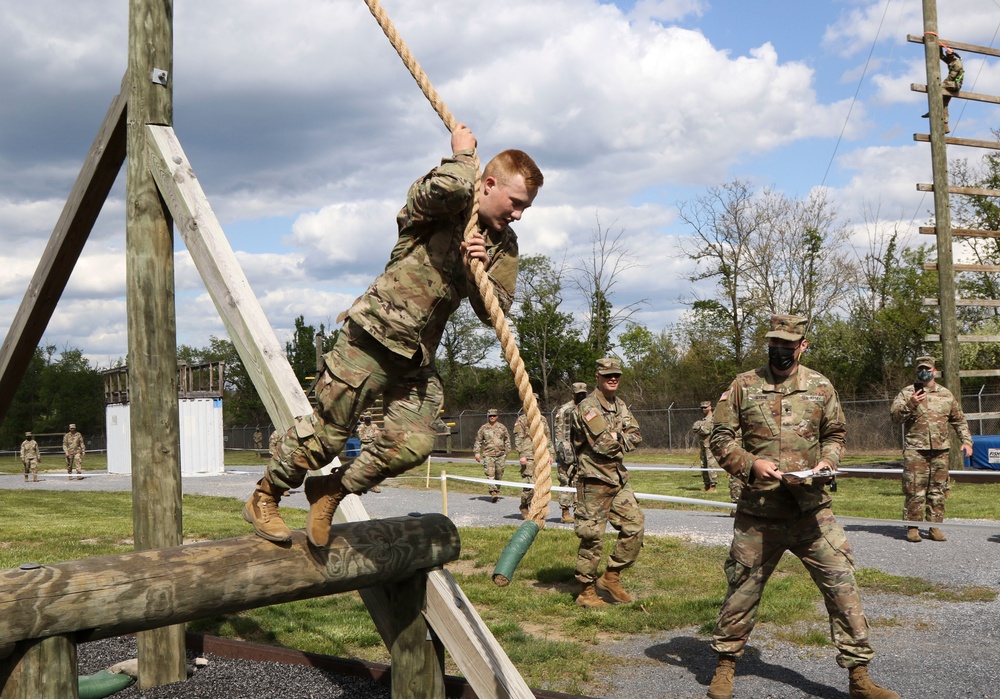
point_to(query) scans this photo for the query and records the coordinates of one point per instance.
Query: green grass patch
(554, 643)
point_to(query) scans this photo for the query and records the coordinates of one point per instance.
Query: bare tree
(596, 277)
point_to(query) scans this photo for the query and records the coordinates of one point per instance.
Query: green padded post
(514, 552)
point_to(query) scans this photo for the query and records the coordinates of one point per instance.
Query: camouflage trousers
(597, 504)
(74, 461)
(493, 467)
(31, 466)
(358, 370)
(710, 478)
(527, 476)
(820, 543)
(925, 484)
(567, 479)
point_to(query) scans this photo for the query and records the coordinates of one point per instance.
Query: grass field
(554, 643)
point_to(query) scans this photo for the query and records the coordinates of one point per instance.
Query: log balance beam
(46, 610)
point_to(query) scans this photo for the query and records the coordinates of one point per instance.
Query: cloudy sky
(305, 130)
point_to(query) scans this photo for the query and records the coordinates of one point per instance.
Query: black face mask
(781, 358)
(925, 375)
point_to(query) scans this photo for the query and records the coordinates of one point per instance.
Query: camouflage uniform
(273, 441)
(491, 447)
(602, 433)
(258, 439)
(703, 428)
(73, 449)
(524, 449)
(367, 432)
(565, 456)
(795, 422)
(30, 456)
(926, 451)
(386, 347)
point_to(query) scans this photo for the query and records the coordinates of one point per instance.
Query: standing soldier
(792, 423)
(703, 428)
(30, 456)
(565, 456)
(928, 411)
(526, 455)
(258, 439)
(602, 431)
(74, 451)
(367, 432)
(491, 448)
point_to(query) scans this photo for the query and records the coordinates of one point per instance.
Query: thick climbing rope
(539, 442)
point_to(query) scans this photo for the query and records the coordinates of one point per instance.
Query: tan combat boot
(588, 597)
(610, 582)
(261, 511)
(567, 516)
(26, 478)
(36, 478)
(862, 686)
(937, 535)
(324, 494)
(721, 686)
(913, 535)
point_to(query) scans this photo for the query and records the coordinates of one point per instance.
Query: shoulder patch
(724, 396)
(591, 414)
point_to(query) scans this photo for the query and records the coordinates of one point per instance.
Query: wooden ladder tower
(948, 301)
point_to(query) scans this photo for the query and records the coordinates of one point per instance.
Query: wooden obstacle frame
(162, 192)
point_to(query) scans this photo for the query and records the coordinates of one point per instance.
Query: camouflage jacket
(956, 73)
(73, 443)
(274, 440)
(407, 306)
(795, 424)
(367, 433)
(492, 440)
(522, 438)
(703, 428)
(927, 424)
(563, 441)
(602, 433)
(29, 450)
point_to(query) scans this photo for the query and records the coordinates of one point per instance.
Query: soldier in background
(391, 334)
(791, 423)
(491, 448)
(565, 456)
(603, 430)
(74, 450)
(367, 432)
(258, 439)
(526, 455)
(928, 411)
(703, 428)
(30, 456)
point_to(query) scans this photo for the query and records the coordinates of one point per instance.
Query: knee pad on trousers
(411, 452)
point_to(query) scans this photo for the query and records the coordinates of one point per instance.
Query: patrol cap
(492, 412)
(609, 366)
(926, 361)
(27, 434)
(579, 387)
(72, 425)
(706, 404)
(787, 327)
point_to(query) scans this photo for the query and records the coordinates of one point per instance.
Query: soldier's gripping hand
(763, 469)
(475, 247)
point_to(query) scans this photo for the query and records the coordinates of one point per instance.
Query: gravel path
(925, 649)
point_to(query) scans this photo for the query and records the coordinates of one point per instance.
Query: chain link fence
(869, 426)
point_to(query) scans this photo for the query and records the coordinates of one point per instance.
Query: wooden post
(152, 337)
(444, 493)
(417, 655)
(41, 668)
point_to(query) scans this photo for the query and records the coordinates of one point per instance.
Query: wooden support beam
(931, 266)
(958, 46)
(965, 338)
(417, 666)
(107, 596)
(955, 141)
(989, 303)
(248, 327)
(962, 94)
(961, 232)
(982, 416)
(41, 668)
(969, 191)
(979, 373)
(152, 323)
(83, 206)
